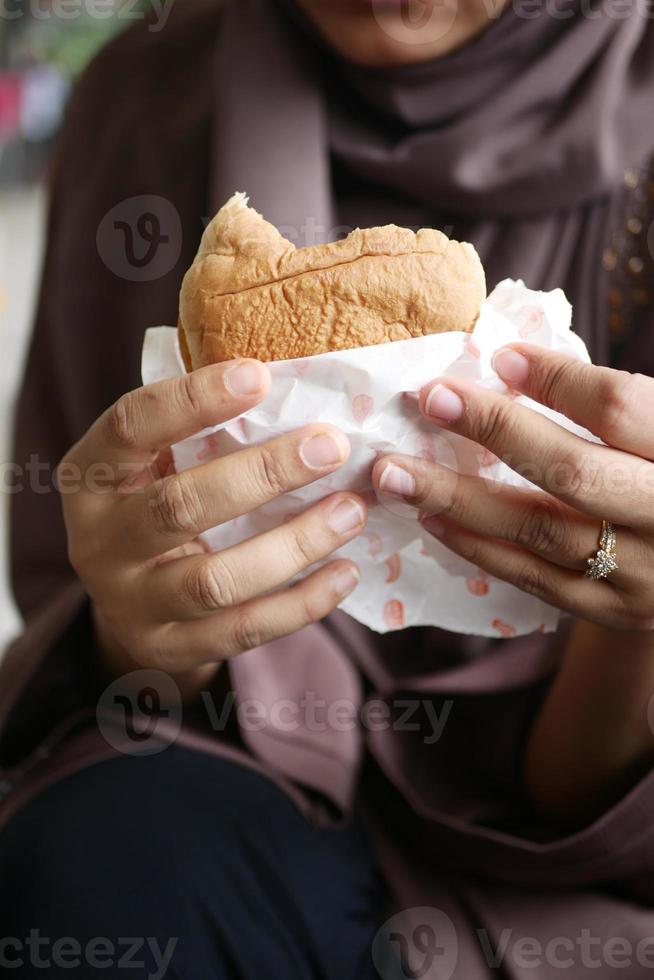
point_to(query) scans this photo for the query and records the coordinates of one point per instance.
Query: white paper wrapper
(407, 577)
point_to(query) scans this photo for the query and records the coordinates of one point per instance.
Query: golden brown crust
(251, 293)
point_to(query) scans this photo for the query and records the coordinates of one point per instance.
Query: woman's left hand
(541, 542)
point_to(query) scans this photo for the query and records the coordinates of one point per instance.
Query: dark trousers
(179, 865)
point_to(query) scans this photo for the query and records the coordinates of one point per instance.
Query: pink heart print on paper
(375, 543)
(479, 584)
(394, 614)
(298, 367)
(301, 366)
(472, 349)
(532, 321)
(210, 448)
(426, 447)
(394, 565)
(362, 406)
(487, 458)
(504, 629)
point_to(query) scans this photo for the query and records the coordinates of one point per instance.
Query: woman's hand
(592, 738)
(133, 523)
(541, 542)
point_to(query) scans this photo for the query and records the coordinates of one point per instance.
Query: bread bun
(252, 293)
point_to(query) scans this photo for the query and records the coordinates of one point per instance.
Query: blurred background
(44, 45)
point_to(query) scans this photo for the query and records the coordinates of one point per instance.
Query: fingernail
(394, 479)
(322, 450)
(434, 525)
(511, 366)
(346, 517)
(246, 378)
(444, 404)
(346, 580)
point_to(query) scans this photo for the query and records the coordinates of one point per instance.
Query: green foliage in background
(67, 44)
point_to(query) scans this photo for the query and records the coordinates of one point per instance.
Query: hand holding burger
(159, 600)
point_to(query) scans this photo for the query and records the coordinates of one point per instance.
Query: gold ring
(604, 561)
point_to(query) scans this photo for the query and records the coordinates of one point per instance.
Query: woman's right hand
(160, 600)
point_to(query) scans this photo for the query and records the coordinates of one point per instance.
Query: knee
(132, 825)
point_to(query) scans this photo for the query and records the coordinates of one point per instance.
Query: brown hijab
(517, 142)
